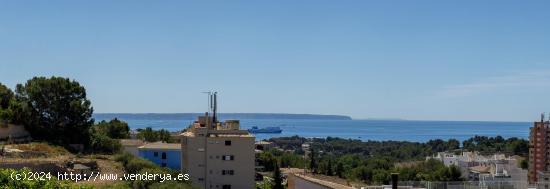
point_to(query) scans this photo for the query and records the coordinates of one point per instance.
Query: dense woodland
(373, 161)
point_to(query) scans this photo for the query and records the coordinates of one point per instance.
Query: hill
(223, 116)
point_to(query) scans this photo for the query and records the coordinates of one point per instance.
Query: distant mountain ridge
(223, 116)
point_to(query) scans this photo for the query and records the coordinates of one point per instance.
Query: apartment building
(218, 154)
(539, 150)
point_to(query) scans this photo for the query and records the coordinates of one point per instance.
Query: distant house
(162, 154)
(131, 145)
(486, 168)
(263, 145)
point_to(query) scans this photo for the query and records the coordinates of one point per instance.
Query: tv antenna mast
(212, 103)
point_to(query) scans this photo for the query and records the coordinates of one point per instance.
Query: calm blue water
(401, 130)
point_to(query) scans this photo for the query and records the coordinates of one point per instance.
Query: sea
(378, 130)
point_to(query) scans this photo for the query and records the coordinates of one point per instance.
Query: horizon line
(352, 118)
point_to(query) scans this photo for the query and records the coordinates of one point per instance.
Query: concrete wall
(18, 133)
(172, 161)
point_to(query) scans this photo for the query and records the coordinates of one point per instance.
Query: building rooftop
(232, 135)
(263, 142)
(161, 146)
(131, 142)
(481, 169)
(192, 134)
(209, 126)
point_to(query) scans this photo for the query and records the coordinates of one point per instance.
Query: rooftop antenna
(215, 106)
(542, 117)
(209, 99)
(212, 104)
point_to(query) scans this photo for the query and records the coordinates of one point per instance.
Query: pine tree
(329, 167)
(277, 179)
(312, 163)
(339, 169)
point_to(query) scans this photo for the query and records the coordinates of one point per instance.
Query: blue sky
(428, 60)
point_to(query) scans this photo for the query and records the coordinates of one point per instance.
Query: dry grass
(46, 148)
(44, 153)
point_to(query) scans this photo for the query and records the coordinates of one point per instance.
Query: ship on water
(255, 129)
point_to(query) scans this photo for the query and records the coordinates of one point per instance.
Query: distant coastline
(191, 116)
(379, 130)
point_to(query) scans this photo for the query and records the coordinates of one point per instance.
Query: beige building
(264, 145)
(131, 145)
(218, 155)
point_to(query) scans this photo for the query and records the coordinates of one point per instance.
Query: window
(228, 157)
(156, 154)
(228, 172)
(226, 186)
(163, 155)
(228, 143)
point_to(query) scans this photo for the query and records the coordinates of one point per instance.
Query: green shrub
(103, 144)
(124, 158)
(115, 128)
(524, 164)
(150, 135)
(135, 165)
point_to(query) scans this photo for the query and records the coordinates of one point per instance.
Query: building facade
(162, 154)
(218, 155)
(538, 149)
